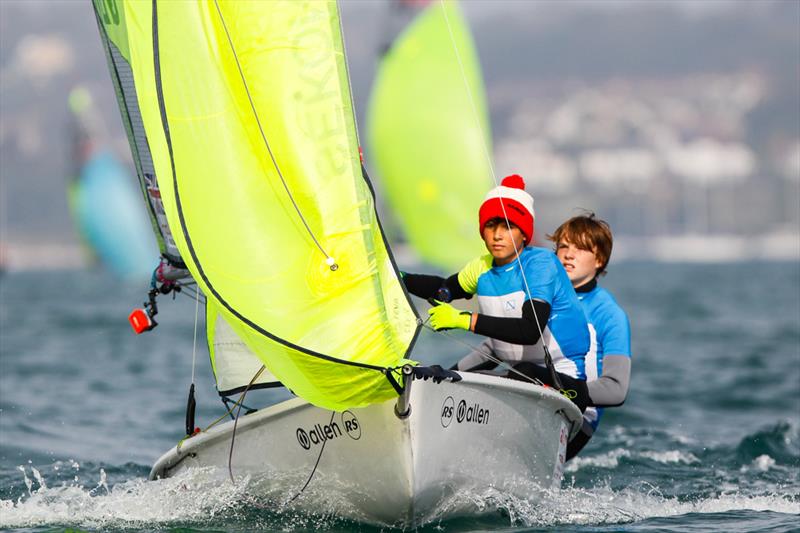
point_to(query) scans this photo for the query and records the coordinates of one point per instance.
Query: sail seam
(184, 229)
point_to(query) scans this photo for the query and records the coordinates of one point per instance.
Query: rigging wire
(486, 354)
(547, 357)
(199, 299)
(191, 403)
(328, 259)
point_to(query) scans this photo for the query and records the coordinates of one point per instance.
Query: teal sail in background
(429, 136)
(104, 202)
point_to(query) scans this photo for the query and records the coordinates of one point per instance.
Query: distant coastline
(721, 248)
(775, 246)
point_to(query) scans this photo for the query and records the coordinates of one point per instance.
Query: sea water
(708, 439)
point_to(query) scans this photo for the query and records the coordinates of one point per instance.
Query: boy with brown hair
(583, 245)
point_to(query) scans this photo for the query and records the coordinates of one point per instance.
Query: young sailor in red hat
(525, 298)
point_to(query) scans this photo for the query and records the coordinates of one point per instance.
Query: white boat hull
(484, 431)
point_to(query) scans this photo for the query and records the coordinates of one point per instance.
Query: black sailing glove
(436, 373)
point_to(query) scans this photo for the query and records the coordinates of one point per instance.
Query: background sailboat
(104, 203)
(429, 135)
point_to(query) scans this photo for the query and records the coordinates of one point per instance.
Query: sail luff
(112, 19)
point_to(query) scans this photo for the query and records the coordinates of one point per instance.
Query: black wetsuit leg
(581, 439)
(581, 396)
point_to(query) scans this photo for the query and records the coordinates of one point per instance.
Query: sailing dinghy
(240, 119)
(483, 431)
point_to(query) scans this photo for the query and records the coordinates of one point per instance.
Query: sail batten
(328, 334)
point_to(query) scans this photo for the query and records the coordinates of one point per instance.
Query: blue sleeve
(542, 279)
(615, 333)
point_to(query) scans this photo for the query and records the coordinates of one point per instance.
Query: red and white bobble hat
(518, 205)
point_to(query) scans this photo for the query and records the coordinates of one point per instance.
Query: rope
(570, 394)
(316, 464)
(487, 355)
(548, 358)
(469, 94)
(328, 259)
(236, 420)
(198, 298)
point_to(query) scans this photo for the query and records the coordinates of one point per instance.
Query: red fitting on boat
(139, 320)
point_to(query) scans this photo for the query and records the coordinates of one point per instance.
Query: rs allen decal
(320, 433)
(474, 413)
(463, 413)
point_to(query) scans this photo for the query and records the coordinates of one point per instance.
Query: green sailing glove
(445, 316)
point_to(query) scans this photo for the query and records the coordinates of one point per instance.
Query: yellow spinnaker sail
(247, 111)
(429, 136)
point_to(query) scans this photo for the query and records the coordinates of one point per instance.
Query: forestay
(247, 115)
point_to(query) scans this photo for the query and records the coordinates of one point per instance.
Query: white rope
(469, 95)
(491, 167)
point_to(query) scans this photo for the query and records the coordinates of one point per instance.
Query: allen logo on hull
(325, 432)
(474, 413)
(318, 434)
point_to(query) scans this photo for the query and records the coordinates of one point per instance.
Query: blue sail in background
(105, 204)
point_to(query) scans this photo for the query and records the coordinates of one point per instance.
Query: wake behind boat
(484, 431)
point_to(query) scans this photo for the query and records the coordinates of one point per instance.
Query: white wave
(671, 456)
(606, 460)
(132, 503)
(611, 459)
(762, 463)
(602, 505)
(200, 496)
